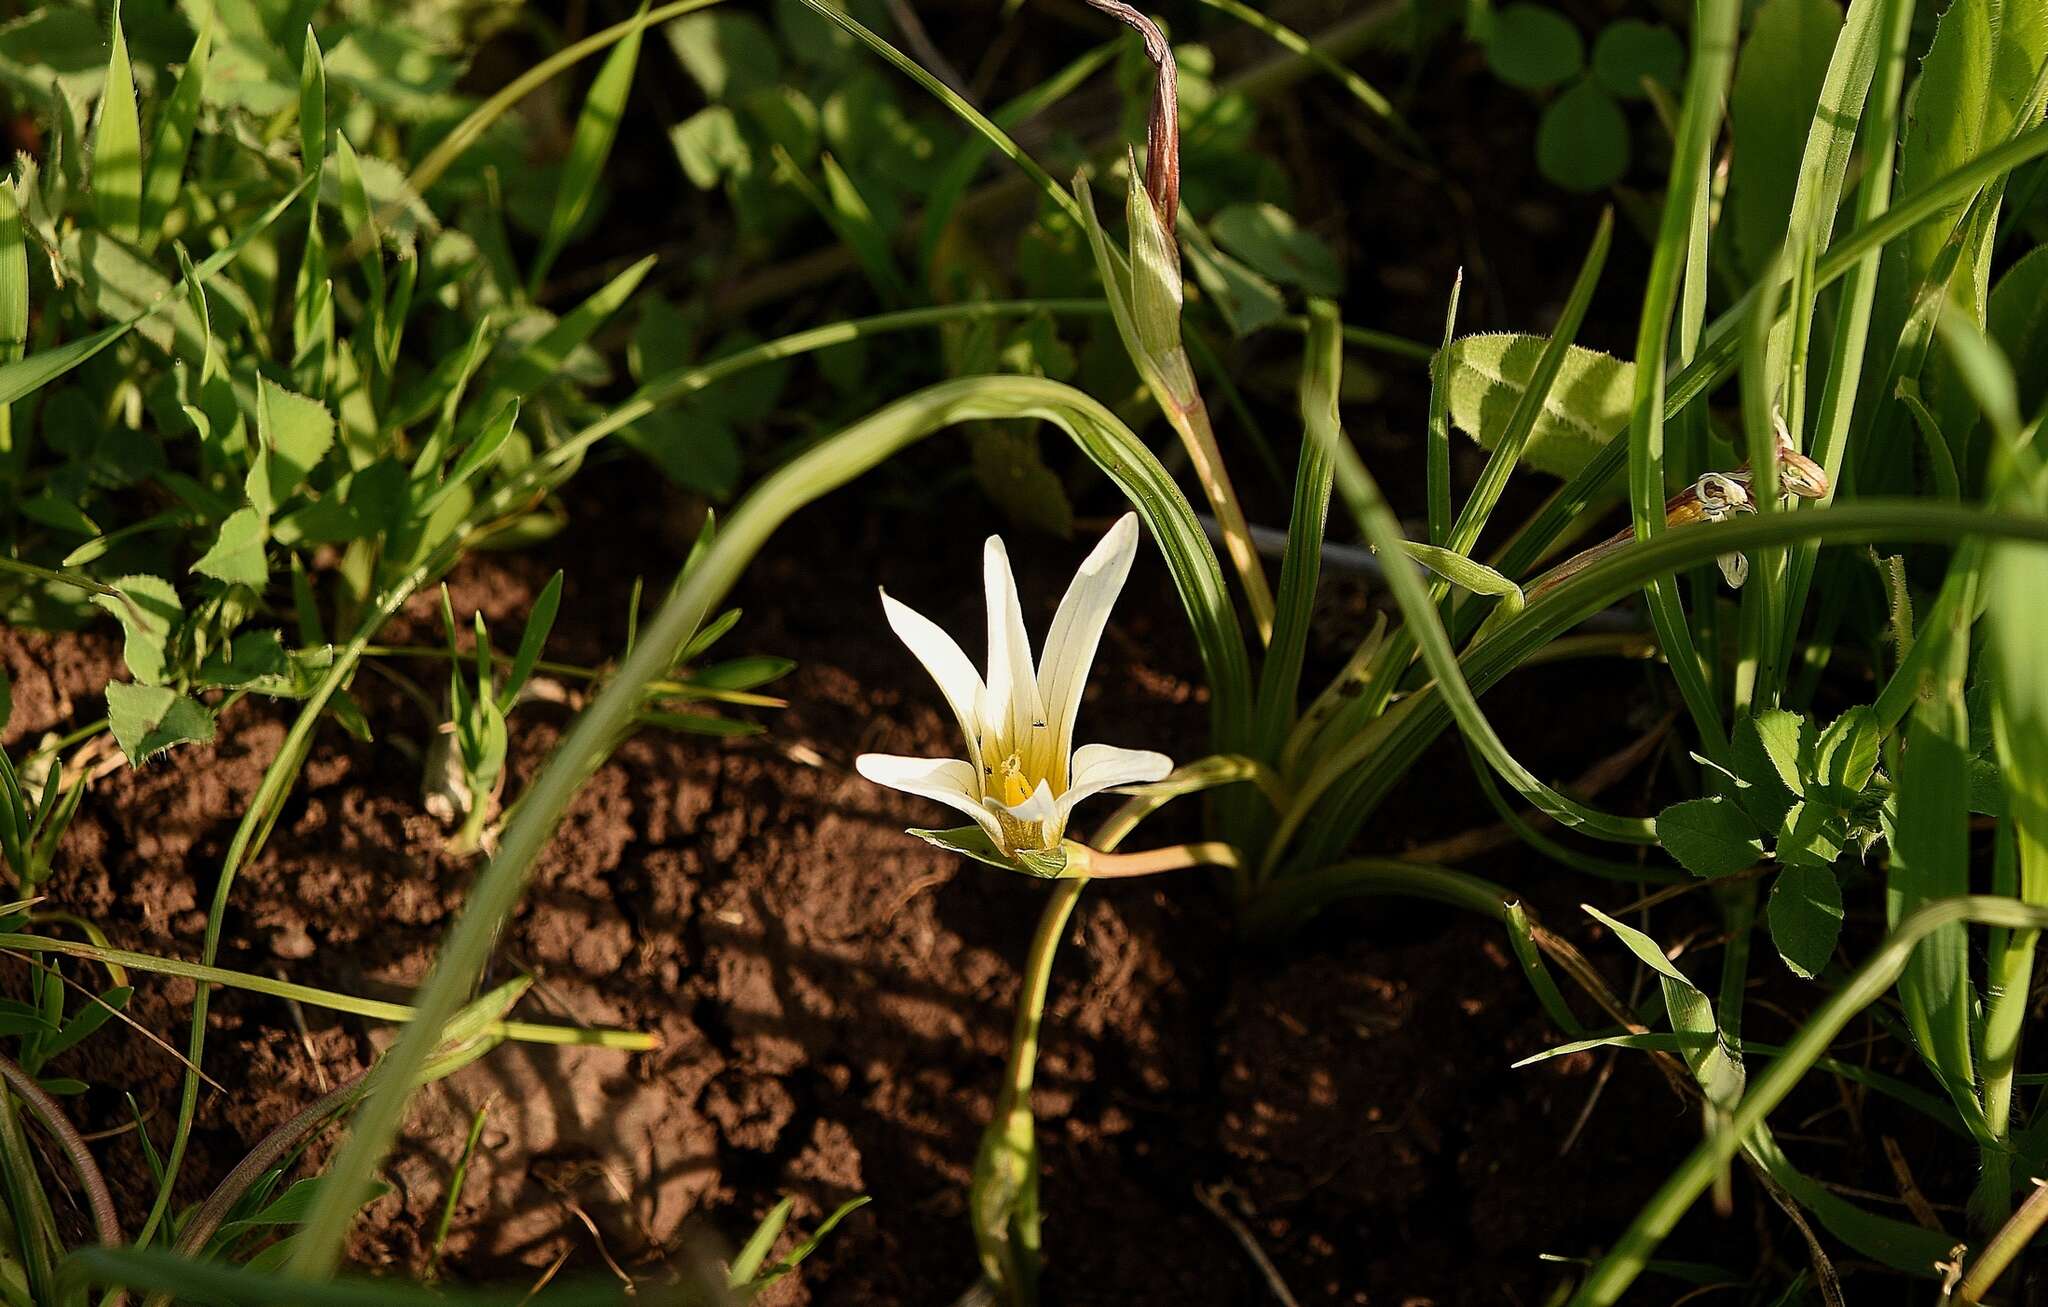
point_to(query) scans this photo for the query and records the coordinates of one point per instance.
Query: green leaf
(312, 106)
(1246, 300)
(1630, 51)
(2018, 321)
(539, 621)
(1806, 918)
(148, 719)
(117, 146)
(296, 433)
(237, 553)
(596, 128)
(1777, 86)
(1976, 76)
(1269, 241)
(1846, 757)
(1532, 46)
(149, 611)
(1582, 140)
(1709, 837)
(1810, 835)
(709, 146)
(728, 53)
(165, 171)
(747, 1263)
(1584, 410)
(1012, 472)
(1714, 1064)
(1787, 741)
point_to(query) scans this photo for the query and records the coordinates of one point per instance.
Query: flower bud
(1155, 274)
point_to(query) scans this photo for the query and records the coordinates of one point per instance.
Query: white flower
(1022, 775)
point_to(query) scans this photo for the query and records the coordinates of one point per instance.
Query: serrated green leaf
(1806, 918)
(1810, 836)
(117, 146)
(149, 611)
(1584, 410)
(148, 719)
(1709, 837)
(295, 433)
(237, 553)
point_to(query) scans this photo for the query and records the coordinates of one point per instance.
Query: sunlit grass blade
(164, 171)
(596, 128)
(117, 146)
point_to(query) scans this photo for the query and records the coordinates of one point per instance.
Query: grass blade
(117, 146)
(596, 128)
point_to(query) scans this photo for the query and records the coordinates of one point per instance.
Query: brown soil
(833, 997)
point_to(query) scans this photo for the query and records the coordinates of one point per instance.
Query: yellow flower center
(1010, 785)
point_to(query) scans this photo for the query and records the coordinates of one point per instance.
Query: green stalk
(1003, 1199)
(824, 467)
(1699, 120)
(1611, 1277)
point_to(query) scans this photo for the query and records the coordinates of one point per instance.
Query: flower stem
(1174, 857)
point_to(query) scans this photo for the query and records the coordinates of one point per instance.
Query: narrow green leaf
(312, 106)
(596, 128)
(539, 621)
(117, 146)
(1777, 85)
(164, 175)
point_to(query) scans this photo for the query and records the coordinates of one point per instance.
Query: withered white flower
(1022, 775)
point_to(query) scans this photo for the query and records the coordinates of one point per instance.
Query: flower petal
(1098, 767)
(1077, 629)
(950, 781)
(942, 657)
(1012, 703)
